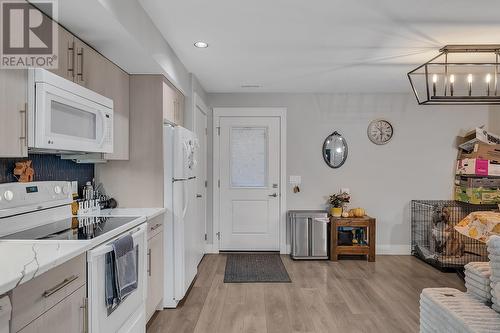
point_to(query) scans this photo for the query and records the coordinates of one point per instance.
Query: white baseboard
(210, 249)
(385, 249)
(288, 249)
(393, 249)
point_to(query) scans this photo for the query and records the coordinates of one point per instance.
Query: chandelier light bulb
(488, 78)
(434, 78)
(452, 78)
(469, 78)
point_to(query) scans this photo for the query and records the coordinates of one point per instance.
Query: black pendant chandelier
(460, 74)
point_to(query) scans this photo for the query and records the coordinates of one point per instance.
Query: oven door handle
(136, 234)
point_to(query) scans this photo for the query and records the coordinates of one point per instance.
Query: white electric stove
(41, 211)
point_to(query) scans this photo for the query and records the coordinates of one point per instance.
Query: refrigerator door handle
(185, 194)
(182, 179)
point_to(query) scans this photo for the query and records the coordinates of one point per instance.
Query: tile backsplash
(48, 167)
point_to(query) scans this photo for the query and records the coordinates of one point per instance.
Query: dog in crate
(445, 239)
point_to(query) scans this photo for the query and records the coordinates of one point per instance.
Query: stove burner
(74, 228)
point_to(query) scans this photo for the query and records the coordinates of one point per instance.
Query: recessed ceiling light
(201, 45)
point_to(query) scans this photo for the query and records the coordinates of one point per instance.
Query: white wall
(417, 164)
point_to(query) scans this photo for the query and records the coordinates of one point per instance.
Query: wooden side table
(367, 222)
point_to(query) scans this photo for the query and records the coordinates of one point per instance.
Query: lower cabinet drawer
(32, 299)
(68, 316)
(155, 225)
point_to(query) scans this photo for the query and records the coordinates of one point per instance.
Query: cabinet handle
(49, 292)
(80, 54)
(71, 49)
(156, 226)
(24, 123)
(149, 262)
(85, 308)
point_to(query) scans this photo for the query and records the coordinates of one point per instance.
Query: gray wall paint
(494, 121)
(189, 108)
(417, 164)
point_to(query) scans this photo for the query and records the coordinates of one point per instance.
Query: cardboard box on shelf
(483, 151)
(477, 167)
(477, 196)
(478, 182)
(478, 135)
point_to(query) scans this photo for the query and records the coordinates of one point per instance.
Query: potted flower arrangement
(338, 201)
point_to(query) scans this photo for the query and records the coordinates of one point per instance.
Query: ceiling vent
(251, 86)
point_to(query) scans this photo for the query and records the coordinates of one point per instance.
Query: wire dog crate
(433, 238)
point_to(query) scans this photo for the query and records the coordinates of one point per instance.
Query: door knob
(274, 195)
(199, 195)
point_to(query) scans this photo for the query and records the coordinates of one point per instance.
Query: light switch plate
(295, 180)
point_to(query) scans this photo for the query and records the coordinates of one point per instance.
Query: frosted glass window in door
(248, 157)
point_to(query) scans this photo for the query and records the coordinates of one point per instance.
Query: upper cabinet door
(102, 76)
(117, 89)
(168, 103)
(179, 108)
(173, 104)
(90, 68)
(66, 55)
(13, 103)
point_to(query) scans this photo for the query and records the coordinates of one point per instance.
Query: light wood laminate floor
(324, 296)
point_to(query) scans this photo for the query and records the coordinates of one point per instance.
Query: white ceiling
(317, 45)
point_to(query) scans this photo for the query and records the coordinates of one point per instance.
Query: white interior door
(201, 170)
(249, 183)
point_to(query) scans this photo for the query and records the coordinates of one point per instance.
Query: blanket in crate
(480, 225)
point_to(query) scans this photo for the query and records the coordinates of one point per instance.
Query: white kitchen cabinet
(13, 103)
(155, 266)
(68, 316)
(173, 104)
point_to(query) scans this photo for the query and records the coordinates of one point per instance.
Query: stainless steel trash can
(309, 234)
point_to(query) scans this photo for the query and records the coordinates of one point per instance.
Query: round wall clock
(380, 131)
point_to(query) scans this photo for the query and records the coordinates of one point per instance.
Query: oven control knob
(8, 195)
(57, 189)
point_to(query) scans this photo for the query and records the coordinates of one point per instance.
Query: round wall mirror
(335, 150)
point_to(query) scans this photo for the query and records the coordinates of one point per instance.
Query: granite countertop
(23, 260)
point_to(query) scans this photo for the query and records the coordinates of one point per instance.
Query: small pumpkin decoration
(357, 212)
(345, 214)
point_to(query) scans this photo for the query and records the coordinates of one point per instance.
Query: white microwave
(64, 117)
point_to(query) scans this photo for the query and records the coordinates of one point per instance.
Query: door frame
(198, 103)
(219, 112)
